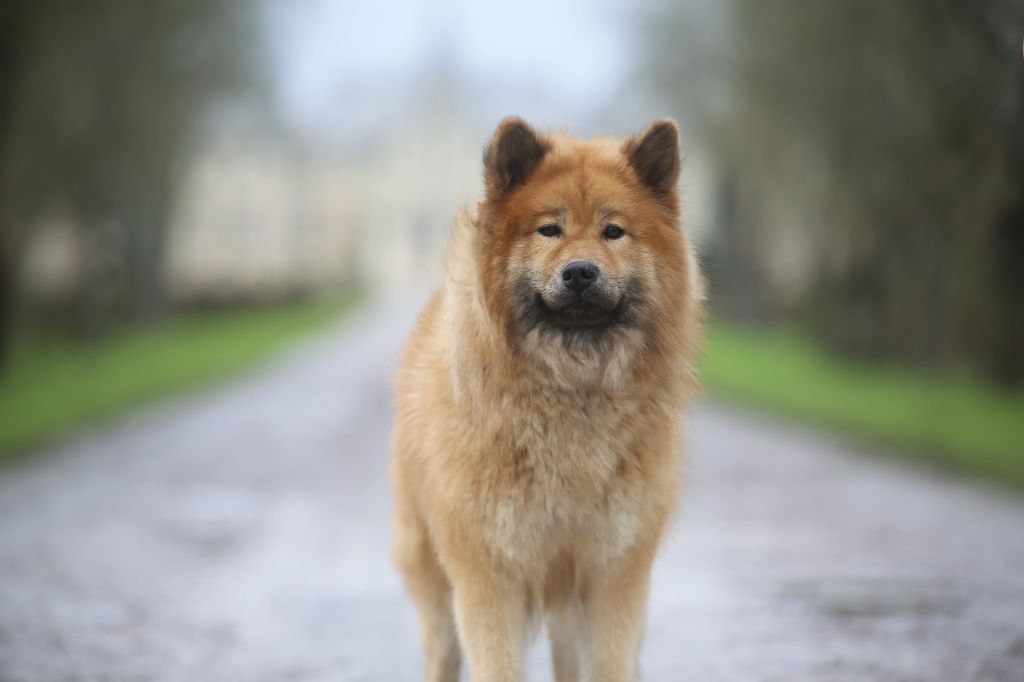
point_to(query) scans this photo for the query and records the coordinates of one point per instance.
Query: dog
(537, 454)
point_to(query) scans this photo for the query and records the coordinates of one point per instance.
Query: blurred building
(410, 189)
(259, 218)
(262, 215)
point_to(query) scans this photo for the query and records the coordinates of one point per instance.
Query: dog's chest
(563, 488)
(571, 445)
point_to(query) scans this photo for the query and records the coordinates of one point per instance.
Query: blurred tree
(99, 105)
(897, 129)
(12, 18)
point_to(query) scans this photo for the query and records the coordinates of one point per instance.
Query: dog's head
(582, 246)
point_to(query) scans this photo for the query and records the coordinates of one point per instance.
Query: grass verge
(51, 387)
(955, 421)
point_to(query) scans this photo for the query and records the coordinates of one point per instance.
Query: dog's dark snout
(578, 275)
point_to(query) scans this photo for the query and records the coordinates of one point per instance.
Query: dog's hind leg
(564, 625)
(564, 619)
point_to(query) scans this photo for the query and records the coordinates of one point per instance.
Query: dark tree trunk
(732, 262)
(101, 283)
(146, 299)
(1006, 360)
(7, 298)
(12, 27)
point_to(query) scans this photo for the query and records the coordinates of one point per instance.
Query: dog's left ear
(654, 156)
(513, 154)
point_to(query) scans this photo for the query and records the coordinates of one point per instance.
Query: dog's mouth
(587, 316)
(581, 313)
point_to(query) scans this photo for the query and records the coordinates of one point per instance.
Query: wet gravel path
(242, 534)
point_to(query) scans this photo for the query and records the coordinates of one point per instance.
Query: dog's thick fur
(537, 453)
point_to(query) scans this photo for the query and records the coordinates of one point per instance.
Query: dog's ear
(513, 154)
(654, 156)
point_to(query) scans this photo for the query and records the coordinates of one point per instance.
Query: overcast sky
(555, 60)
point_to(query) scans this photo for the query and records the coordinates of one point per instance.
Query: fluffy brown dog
(537, 452)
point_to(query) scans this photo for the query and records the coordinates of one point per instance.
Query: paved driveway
(242, 534)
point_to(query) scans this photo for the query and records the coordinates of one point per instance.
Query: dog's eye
(550, 230)
(613, 232)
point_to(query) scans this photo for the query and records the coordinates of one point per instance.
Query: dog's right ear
(654, 156)
(513, 154)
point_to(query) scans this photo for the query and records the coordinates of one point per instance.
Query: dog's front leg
(616, 609)
(490, 610)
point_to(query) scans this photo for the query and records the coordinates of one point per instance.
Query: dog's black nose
(578, 275)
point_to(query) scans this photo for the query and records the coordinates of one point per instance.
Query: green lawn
(952, 420)
(53, 386)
